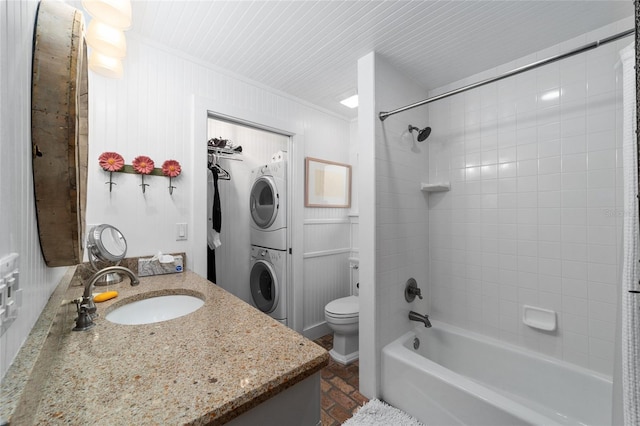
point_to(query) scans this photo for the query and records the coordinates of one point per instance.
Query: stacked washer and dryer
(268, 236)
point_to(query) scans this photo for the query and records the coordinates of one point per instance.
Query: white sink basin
(155, 309)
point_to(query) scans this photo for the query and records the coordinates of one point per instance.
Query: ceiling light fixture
(350, 102)
(106, 39)
(116, 13)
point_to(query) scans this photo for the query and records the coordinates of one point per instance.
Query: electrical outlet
(10, 292)
(3, 295)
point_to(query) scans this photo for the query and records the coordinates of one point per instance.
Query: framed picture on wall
(327, 184)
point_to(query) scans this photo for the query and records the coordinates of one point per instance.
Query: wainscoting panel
(326, 235)
(326, 278)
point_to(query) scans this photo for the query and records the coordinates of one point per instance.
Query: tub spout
(414, 316)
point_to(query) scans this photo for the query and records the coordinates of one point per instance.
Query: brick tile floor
(339, 388)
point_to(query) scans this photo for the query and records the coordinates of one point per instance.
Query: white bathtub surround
(458, 377)
(534, 211)
(377, 413)
(630, 302)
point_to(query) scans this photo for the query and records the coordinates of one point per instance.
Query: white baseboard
(317, 331)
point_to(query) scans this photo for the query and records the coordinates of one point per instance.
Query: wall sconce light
(105, 35)
(116, 13)
(107, 40)
(105, 65)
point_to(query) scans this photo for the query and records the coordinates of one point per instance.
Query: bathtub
(457, 377)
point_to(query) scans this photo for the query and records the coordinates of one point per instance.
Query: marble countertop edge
(266, 391)
(21, 405)
(25, 368)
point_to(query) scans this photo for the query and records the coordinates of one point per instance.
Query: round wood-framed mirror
(59, 131)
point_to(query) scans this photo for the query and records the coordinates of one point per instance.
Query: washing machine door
(264, 286)
(264, 202)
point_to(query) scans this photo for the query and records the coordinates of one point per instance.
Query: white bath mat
(377, 413)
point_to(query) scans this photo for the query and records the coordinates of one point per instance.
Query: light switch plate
(181, 231)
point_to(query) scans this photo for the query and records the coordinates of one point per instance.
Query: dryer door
(264, 202)
(264, 286)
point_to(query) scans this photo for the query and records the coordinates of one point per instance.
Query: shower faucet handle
(411, 290)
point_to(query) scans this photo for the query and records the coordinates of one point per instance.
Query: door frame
(202, 109)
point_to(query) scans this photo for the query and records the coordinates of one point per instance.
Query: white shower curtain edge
(629, 302)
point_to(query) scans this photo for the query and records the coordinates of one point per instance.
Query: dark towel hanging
(217, 210)
(211, 265)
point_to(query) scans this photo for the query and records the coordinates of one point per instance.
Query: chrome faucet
(86, 307)
(414, 316)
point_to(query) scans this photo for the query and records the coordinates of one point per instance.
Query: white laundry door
(264, 286)
(264, 202)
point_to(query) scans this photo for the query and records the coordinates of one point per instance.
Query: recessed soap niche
(435, 187)
(540, 318)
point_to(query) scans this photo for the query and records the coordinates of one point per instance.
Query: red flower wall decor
(143, 165)
(171, 168)
(111, 162)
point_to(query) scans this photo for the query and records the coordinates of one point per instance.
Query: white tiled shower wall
(393, 243)
(401, 208)
(534, 211)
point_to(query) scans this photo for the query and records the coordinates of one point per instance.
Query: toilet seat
(343, 308)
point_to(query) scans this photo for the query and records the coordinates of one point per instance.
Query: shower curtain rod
(383, 115)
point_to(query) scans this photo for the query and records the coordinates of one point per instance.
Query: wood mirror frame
(59, 131)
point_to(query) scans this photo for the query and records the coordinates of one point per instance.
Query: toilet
(342, 317)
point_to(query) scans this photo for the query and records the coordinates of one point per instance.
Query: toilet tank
(355, 276)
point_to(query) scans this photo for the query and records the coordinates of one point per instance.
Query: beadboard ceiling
(310, 49)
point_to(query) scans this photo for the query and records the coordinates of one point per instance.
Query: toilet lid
(345, 306)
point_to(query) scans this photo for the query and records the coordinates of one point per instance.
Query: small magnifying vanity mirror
(106, 243)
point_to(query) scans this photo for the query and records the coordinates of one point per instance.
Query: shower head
(422, 134)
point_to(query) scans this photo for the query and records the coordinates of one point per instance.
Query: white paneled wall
(149, 112)
(328, 279)
(233, 256)
(326, 242)
(533, 212)
(17, 209)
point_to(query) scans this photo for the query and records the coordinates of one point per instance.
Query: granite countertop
(204, 368)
